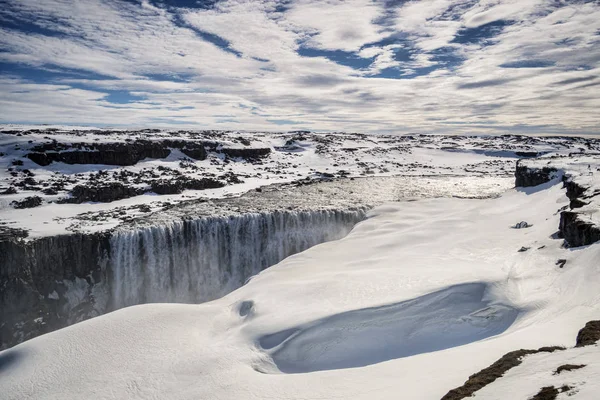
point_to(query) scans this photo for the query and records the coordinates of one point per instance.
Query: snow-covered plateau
(322, 266)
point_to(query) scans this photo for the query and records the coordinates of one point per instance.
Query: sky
(430, 66)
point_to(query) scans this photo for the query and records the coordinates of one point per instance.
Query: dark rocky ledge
(526, 177)
(122, 154)
(246, 152)
(572, 227)
(36, 274)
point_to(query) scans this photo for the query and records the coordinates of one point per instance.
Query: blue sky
(463, 66)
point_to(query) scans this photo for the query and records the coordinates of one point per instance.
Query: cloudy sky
(461, 66)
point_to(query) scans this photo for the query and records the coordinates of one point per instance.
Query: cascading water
(193, 261)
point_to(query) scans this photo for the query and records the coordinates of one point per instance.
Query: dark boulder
(178, 185)
(166, 187)
(10, 190)
(589, 334)
(27, 202)
(101, 193)
(201, 184)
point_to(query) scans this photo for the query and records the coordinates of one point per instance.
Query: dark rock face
(103, 193)
(572, 228)
(577, 232)
(574, 192)
(525, 177)
(177, 186)
(166, 187)
(35, 274)
(247, 152)
(589, 334)
(193, 150)
(121, 154)
(28, 202)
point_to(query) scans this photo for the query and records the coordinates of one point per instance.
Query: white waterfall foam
(198, 260)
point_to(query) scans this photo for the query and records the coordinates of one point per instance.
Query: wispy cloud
(359, 65)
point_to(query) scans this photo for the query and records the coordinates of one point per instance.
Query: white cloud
(160, 55)
(336, 24)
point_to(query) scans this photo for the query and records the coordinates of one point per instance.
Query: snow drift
(446, 270)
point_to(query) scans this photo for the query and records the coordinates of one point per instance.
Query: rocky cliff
(581, 179)
(49, 283)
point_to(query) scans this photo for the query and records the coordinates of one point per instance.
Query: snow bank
(408, 305)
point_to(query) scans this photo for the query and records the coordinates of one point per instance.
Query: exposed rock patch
(568, 367)
(577, 232)
(526, 176)
(589, 334)
(102, 193)
(493, 372)
(27, 202)
(122, 154)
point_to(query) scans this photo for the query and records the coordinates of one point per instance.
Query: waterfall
(52, 282)
(192, 261)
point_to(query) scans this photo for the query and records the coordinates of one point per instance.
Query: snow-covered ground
(413, 301)
(292, 157)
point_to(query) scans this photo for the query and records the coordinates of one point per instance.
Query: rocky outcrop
(573, 227)
(102, 193)
(247, 153)
(589, 334)
(526, 176)
(27, 202)
(177, 186)
(576, 231)
(48, 283)
(122, 154)
(575, 192)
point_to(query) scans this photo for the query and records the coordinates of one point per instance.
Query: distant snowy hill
(56, 180)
